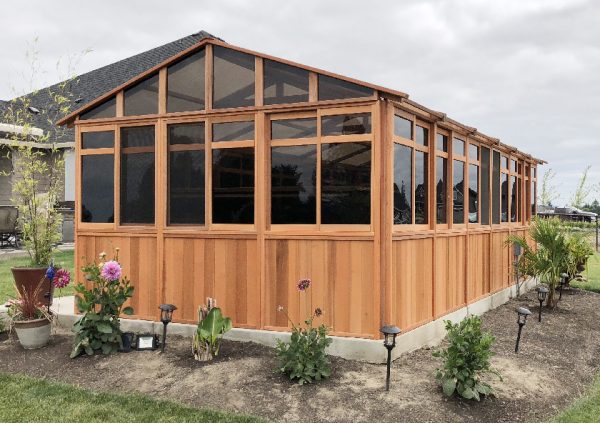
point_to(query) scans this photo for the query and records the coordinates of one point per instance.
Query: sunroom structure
(231, 174)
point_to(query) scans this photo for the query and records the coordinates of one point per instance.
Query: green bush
(466, 359)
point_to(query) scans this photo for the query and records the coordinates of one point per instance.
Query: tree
(549, 192)
(583, 190)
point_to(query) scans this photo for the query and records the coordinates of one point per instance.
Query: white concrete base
(368, 350)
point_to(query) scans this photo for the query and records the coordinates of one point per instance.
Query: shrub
(212, 325)
(466, 359)
(304, 358)
(99, 328)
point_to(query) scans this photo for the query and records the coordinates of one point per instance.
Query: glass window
(504, 197)
(284, 83)
(422, 135)
(441, 175)
(107, 109)
(233, 131)
(403, 127)
(332, 88)
(233, 185)
(513, 165)
(137, 175)
(485, 186)
(441, 142)
(97, 188)
(346, 124)
(346, 183)
(513, 198)
(421, 212)
(186, 173)
(293, 128)
(142, 99)
(496, 188)
(458, 192)
(233, 78)
(185, 84)
(519, 197)
(473, 193)
(293, 184)
(402, 185)
(473, 152)
(504, 162)
(104, 139)
(533, 196)
(534, 170)
(458, 147)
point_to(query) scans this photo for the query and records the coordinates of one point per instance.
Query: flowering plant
(304, 358)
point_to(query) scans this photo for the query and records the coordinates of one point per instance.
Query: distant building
(572, 214)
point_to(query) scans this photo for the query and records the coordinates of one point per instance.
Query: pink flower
(303, 284)
(111, 271)
(62, 277)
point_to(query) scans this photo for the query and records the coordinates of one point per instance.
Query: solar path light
(166, 315)
(522, 319)
(542, 292)
(389, 342)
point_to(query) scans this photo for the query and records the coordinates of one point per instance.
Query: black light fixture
(166, 315)
(522, 319)
(542, 292)
(389, 342)
(564, 277)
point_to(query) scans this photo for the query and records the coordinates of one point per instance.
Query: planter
(28, 278)
(33, 334)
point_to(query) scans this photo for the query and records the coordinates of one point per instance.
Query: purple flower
(61, 278)
(303, 284)
(50, 272)
(111, 271)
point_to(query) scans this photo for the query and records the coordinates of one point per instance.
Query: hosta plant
(466, 360)
(212, 325)
(303, 358)
(99, 329)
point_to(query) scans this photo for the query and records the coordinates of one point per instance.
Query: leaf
(449, 386)
(467, 393)
(104, 327)
(128, 311)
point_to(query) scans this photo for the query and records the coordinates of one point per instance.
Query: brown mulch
(558, 359)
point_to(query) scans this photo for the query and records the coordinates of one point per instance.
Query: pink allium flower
(62, 277)
(111, 271)
(303, 284)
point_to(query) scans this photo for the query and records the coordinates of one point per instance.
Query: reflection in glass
(473, 193)
(513, 198)
(142, 99)
(403, 127)
(103, 139)
(97, 188)
(422, 135)
(293, 184)
(186, 133)
(458, 147)
(496, 188)
(293, 128)
(421, 187)
(533, 196)
(233, 185)
(485, 186)
(441, 172)
(402, 185)
(346, 124)
(332, 88)
(441, 142)
(233, 131)
(284, 83)
(458, 192)
(233, 78)
(185, 84)
(107, 109)
(473, 152)
(519, 197)
(346, 183)
(504, 197)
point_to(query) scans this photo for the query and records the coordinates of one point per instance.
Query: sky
(524, 71)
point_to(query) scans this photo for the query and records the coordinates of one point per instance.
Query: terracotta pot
(28, 278)
(33, 334)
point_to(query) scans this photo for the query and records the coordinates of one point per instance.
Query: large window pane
(233, 78)
(293, 184)
(142, 99)
(333, 88)
(97, 188)
(233, 185)
(137, 175)
(473, 193)
(284, 83)
(402, 185)
(485, 186)
(185, 84)
(533, 196)
(441, 176)
(421, 187)
(346, 183)
(458, 191)
(513, 198)
(519, 200)
(504, 197)
(107, 109)
(346, 124)
(496, 188)
(293, 128)
(403, 127)
(103, 139)
(233, 131)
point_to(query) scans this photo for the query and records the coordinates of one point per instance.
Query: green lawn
(7, 290)
(592, 273)
(584, 410)
(23, 399)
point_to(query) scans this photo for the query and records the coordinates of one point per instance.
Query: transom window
(185, 84)
(97, 177)
(441, 177)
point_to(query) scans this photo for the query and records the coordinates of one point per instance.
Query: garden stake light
(563, 281)
(166, 315)
(542, 292)
(389, 342)
(522, 319)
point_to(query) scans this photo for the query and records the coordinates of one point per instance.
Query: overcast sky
(525, 71)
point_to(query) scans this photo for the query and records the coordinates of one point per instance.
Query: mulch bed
(558, 359)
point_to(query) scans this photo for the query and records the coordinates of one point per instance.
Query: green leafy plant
(304, 358)
(212, 325)
(27, 306)
(99, 329)
(466, 360)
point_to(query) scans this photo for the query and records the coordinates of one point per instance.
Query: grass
(24, 399)
(592, 273)
(584, 410)
(7, 290)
